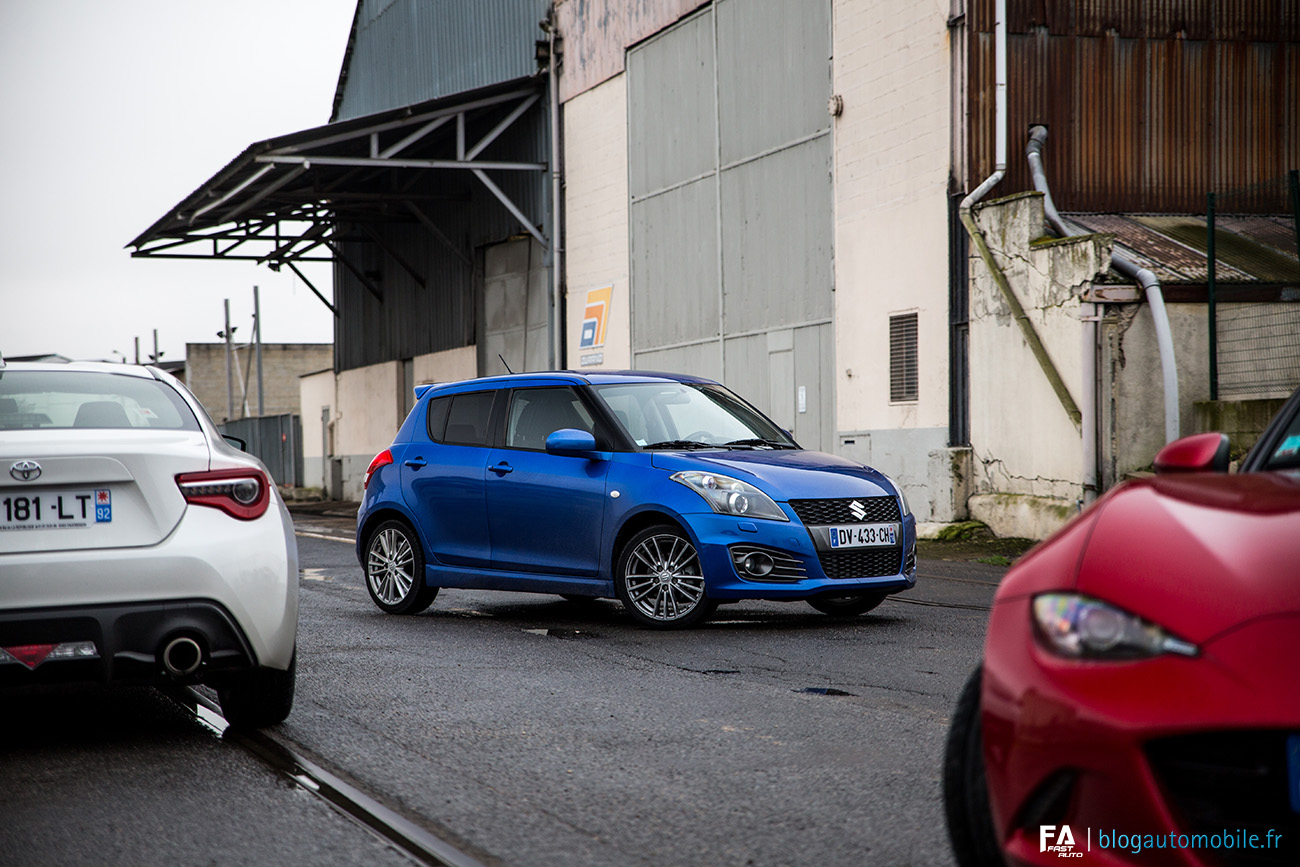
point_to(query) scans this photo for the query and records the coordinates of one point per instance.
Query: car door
(545, 512)
(443, 477)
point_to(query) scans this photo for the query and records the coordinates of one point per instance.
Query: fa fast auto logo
(1057, 839)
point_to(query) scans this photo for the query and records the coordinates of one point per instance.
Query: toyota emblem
(25, 471)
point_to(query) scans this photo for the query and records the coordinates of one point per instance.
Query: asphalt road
(528, 730)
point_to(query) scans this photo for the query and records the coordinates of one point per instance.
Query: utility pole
(157, 356)
(230, 382)
(137, 350)
(257, 337)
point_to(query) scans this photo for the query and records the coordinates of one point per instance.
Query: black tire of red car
(258, 698)
(965, 788)
(659, 580)
(847, 606)
(395, 569)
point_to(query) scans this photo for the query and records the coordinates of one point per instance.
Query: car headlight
(902, 500)
(730, 496)
(1081, 627)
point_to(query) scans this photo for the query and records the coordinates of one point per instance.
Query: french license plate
(864, 535)
(55, 510)
(1293, 770)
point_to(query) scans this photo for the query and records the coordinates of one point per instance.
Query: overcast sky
(110, 114)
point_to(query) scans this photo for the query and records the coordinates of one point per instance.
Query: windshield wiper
(757, 441)
(681, 444)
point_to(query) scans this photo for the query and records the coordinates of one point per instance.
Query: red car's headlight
(1080, 627)
(242, 494)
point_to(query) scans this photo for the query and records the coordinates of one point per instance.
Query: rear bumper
(128, 641)
(244, 571)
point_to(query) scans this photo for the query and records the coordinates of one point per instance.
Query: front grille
(785, 568)
(863, 563)
(879, 510)
(1229, 781)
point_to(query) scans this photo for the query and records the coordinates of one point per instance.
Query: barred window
(903, 375)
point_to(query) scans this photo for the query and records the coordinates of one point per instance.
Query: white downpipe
(999, 108)
(1164, 338)
(557, 245)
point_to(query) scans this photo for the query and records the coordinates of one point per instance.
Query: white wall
(451, 365)
(891, 66)
(596, 219)
(315, 391)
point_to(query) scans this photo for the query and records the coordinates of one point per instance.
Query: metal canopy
(297, 197)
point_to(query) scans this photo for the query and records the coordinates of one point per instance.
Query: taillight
(382, 459)
(242, 494)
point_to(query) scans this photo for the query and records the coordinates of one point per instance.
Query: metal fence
(276, 440)
(1255, 346)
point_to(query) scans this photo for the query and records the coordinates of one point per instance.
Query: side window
(1287, 453)
(468, 418)
(535, 413)
(437, 417)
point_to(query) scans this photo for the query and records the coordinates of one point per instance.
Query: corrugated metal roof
(1247, 249)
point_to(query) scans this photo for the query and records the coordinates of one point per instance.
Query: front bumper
(862, 570)
(233, 582)
(1168, 752)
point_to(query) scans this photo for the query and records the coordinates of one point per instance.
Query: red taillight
(242, 494)
(382, 459)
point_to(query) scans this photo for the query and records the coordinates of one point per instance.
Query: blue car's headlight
(730, 496)
(902, 500)
(1081, 627)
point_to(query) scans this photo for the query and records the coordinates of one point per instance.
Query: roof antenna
(503, 361)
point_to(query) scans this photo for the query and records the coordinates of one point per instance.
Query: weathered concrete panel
(675, 266)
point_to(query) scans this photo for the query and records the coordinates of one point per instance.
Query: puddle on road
(824, 690)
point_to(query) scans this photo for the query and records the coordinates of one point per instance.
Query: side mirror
(236, 442)
(570, 442)
(1200, 453)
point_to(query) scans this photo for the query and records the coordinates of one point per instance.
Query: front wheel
(395, 570)
(847, 606)
(965, 787)
(659, 580)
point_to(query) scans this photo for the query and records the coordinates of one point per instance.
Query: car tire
(257, 698)
(659, 580)
(847, 606)
(965, 788)
(395, 570)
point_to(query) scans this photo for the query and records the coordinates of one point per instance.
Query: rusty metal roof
(1248, 249)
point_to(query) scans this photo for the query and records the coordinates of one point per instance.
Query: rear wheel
(965, 788)
(395, 570)
(659, 580)
(257, 698)
(850, 605)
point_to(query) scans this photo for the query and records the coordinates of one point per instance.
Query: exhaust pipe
(181, 656)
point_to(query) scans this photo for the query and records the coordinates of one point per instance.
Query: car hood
(785, 474)
(1198, 554)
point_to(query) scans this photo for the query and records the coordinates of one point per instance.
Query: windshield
(47, 399)
(676, 415)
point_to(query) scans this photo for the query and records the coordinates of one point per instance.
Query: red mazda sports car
(1139, 699)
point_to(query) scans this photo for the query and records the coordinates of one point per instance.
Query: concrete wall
(1027, 453)
(452, 365)
(282, 365)
(316, 393)
(891, 68)
(596, 205)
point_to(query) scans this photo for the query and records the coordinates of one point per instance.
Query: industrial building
(780, 195)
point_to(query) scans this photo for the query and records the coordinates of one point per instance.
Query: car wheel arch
(639, 521)
(378, 517)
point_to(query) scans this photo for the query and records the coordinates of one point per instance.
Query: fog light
(759, 564)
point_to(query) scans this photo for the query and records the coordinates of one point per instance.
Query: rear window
(51, 400)
(461, 419)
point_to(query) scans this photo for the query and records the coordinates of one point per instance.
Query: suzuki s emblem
(857, 510)
(25, 471)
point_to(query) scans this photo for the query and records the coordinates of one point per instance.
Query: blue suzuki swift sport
(668, 492)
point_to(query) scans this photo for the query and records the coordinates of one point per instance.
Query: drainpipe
(1087, 316)
(977, 235)
(557, 247)
(1142, 276)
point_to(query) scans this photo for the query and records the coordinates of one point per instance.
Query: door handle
(502, 468)
(416, 463)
